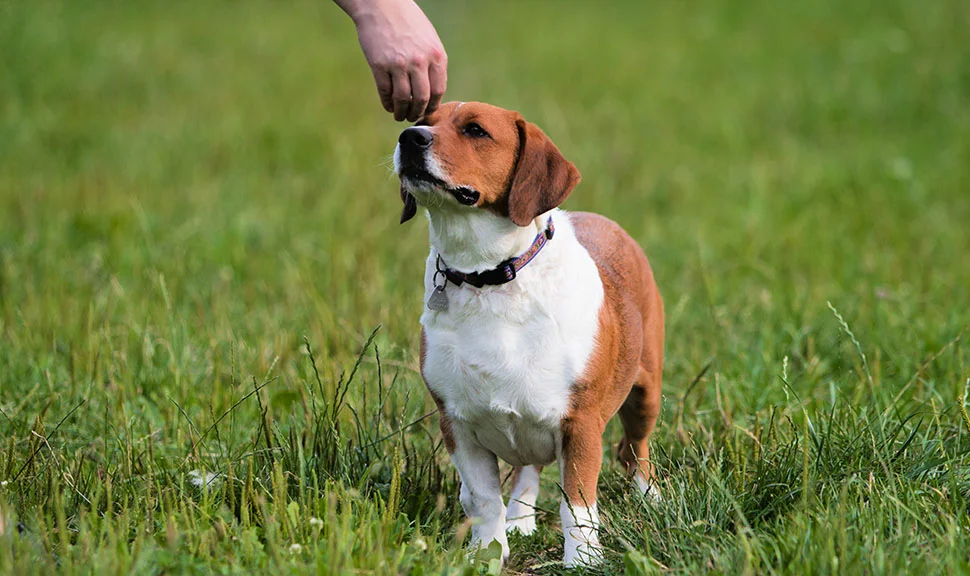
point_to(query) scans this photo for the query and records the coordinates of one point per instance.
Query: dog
(539, 324)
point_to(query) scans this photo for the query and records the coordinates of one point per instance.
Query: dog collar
(504, 272)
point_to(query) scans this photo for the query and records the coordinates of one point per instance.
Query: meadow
(209, 312)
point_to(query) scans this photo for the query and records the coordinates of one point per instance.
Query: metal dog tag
(438, 301)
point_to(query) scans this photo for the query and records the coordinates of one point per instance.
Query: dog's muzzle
(413, 145)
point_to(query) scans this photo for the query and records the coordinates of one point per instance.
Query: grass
(199, 238)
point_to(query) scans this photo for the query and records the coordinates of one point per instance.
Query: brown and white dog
(540, 324)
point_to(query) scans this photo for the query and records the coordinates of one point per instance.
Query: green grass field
(199, 235)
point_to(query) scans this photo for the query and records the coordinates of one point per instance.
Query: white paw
(478, 552)
(582, 553)
(524, 524)
(482, 542)
(579, 526)
(647, 488)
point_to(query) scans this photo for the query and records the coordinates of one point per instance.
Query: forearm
(360, 10)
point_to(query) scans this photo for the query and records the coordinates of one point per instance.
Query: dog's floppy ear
(542, 177)
(410, 205)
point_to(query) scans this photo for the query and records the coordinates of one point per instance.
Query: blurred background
(190, 189)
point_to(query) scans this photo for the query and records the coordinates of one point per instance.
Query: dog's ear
(542, 177)
(410, 205)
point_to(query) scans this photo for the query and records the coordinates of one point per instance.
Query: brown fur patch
(481, 163)
(515, 167)
(542, 179)
(625, 368)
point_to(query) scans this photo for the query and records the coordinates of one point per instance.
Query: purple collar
(504, 272)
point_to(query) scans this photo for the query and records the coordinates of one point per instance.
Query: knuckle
(382, 61)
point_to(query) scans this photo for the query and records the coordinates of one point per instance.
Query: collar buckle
(510, 272)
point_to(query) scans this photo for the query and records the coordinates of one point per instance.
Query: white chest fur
(504, 358)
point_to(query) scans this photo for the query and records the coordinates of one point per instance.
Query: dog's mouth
(464, 195)
(420, 175)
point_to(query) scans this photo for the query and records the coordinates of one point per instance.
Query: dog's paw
(581, 546)
(582, 553)
(648, 489)
(497, 549)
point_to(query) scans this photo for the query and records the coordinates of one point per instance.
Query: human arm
(404, 53)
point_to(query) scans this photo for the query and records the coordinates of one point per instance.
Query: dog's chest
(503, 359)
(508, 384)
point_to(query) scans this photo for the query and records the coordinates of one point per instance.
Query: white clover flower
(295, 548)
(3, 484)
(316, 522)
(421, 544)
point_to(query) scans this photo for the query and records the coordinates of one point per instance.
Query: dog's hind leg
(639, 415)
(521, 514)
(642, 405)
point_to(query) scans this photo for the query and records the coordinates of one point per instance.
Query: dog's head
(481, 157)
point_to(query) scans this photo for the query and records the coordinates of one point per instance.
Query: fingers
(402, 94)
(411, 90)
(438, 78)
(385, 89)
(420, 93)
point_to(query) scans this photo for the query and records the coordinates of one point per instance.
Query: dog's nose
(417, 137)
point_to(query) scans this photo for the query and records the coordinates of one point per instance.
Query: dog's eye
(473, 130)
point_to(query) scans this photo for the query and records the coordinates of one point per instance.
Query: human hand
(404, 52)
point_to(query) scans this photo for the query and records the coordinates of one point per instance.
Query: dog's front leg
(481, 491)
(580, 458)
